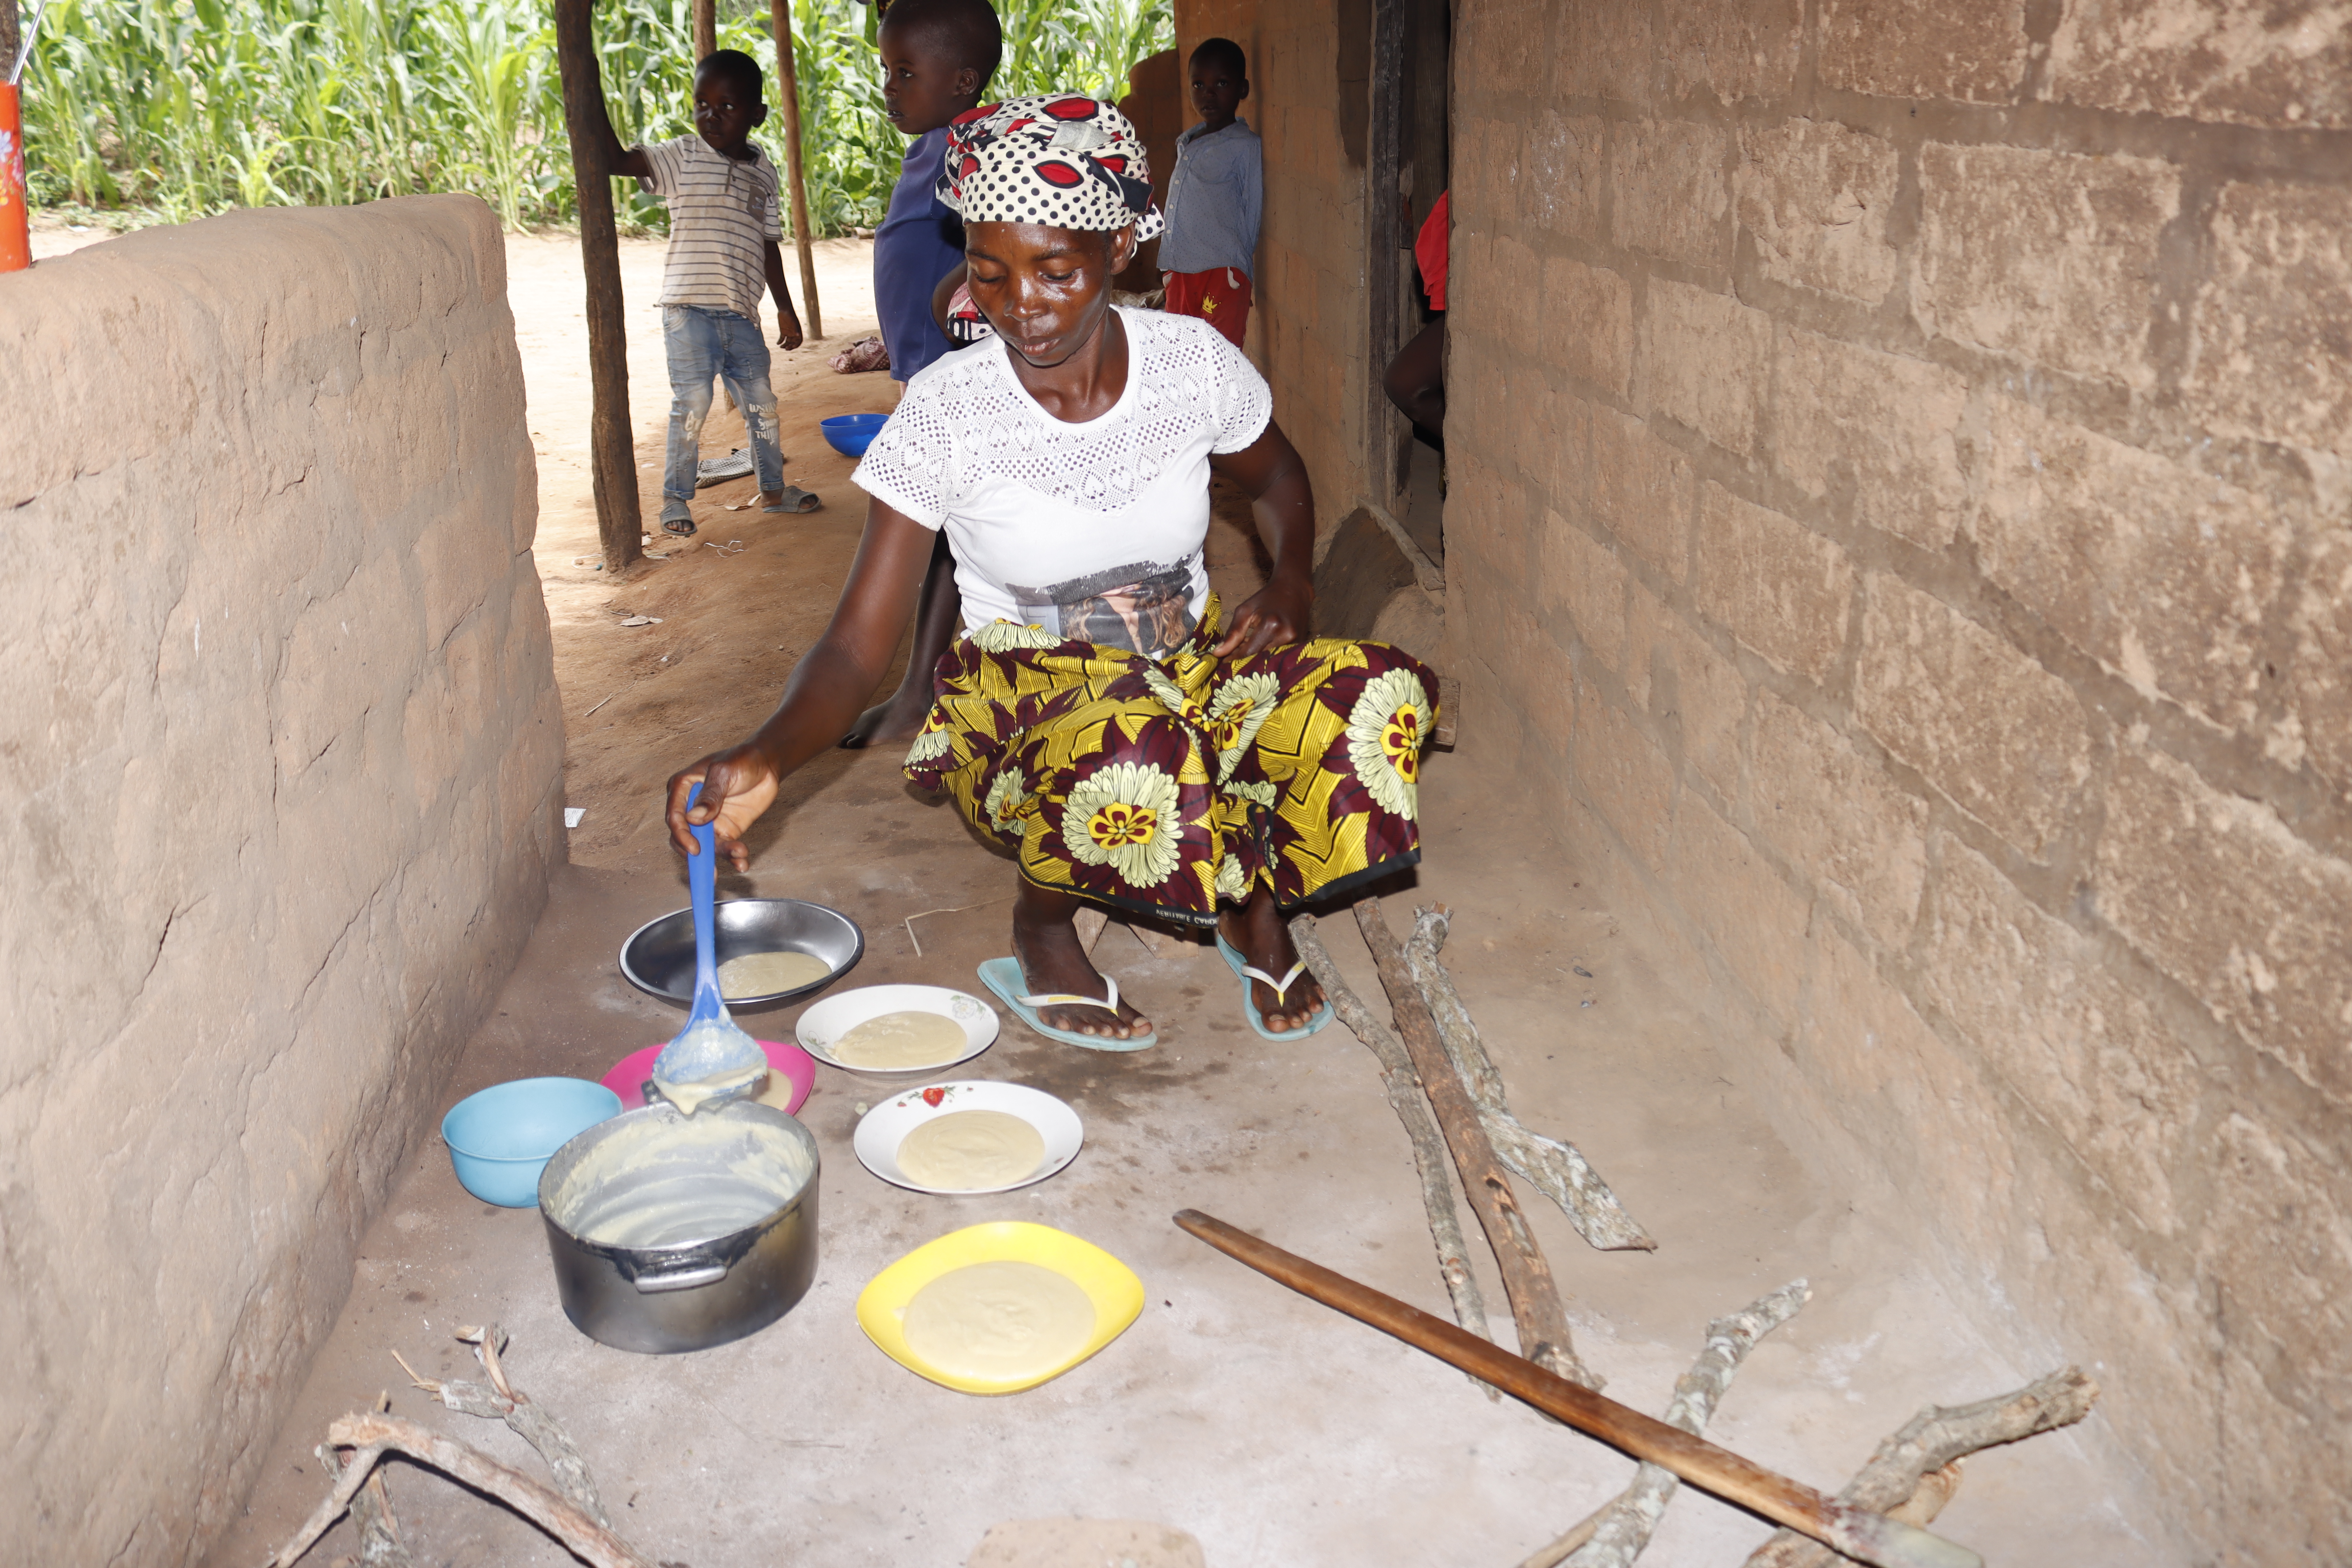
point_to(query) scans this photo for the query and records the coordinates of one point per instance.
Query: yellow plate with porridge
(998, 1308)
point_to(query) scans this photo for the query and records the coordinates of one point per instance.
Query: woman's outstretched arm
(1270, 471)
(827, 687)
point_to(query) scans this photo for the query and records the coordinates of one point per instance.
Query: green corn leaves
(175, 108)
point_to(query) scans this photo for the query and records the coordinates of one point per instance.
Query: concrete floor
(1274, 1431)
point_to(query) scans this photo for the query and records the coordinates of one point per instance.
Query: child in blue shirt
(937, 59)
(1216, 198)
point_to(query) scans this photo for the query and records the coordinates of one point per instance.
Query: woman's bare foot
(1257, 929)
(1054, 963)
(898, 718)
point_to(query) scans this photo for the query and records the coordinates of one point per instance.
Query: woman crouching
(1100, 716)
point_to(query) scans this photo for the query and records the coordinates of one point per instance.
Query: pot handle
(682, 1279)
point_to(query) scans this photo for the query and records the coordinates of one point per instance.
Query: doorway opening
(1410, 168)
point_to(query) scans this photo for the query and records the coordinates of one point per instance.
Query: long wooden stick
(373, 1436)
(1428, 1148)
(788, 87)
(1934, 1439)
(1536, 1307)
(1557, 1168)
(1871, 1536)
(619, 524)
(706, 28)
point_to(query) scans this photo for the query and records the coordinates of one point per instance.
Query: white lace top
(1091, 529)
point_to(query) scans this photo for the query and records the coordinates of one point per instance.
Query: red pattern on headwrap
(1062, 160)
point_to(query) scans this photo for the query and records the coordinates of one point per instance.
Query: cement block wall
(280, 765)
(1901, 459)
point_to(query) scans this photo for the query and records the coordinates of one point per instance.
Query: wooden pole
(706, 29)
(1859, 1534)
(788, 87)
(1384, 327)
(1535, 1309)
(1557, 1169)
(1429, 1153)
(613, 462)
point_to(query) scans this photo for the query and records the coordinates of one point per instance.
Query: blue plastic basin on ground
(851, 434)
(499, 1138)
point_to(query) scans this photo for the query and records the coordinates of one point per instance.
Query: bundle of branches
(570, 1512)
(1444, 1089)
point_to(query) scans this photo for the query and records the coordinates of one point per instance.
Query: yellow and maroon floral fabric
(1168, 785)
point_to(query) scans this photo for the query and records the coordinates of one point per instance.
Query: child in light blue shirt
(1216, 198)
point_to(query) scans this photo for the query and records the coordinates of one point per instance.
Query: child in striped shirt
(724, 245)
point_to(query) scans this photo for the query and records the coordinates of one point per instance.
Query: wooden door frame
(1384, 220)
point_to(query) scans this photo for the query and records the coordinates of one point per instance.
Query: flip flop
(677, 520)
(796, 500)
(1004, 976)
(1241, 966)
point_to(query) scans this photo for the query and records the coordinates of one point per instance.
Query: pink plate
(628, 1076)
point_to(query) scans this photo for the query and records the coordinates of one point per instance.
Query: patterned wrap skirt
(1165, 786)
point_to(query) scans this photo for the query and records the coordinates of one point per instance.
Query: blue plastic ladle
(711, 1061)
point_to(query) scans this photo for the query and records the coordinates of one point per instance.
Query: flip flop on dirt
(795, 500)
(677, 518)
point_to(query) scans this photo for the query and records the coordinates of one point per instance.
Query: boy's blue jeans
(701, 344)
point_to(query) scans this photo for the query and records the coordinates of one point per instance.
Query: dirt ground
(1266, 1429)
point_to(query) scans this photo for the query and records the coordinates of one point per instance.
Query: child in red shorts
(1214, 198)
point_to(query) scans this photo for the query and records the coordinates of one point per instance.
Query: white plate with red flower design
(883, 1129)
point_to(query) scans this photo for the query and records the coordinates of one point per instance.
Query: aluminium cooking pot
(673, 1233)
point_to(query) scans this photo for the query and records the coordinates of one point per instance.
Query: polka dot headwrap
(1063, 161)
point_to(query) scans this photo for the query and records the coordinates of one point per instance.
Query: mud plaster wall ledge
(280, 760)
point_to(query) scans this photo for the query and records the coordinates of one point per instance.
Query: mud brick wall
(280, 762)
(1898, 525)
(1308, 66)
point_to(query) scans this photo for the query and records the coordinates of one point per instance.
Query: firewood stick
(1616, 1533)
(373, 1436)
(1932, 1441)
(1936, 1490)
(501, 1401)
(1872, 1537)
(1536, 1307)
(1557, 1168)
(1429, 1155)
(339, 1496)
(379, 1531)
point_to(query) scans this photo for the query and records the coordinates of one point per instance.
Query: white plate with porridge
(959, 1139)
(896, 1031)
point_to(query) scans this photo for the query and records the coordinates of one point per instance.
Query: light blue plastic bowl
(851, 434)
(499, 1138)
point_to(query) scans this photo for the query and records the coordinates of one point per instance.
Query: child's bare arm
(788, 320)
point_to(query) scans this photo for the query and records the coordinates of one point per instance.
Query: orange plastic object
(16, 222)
